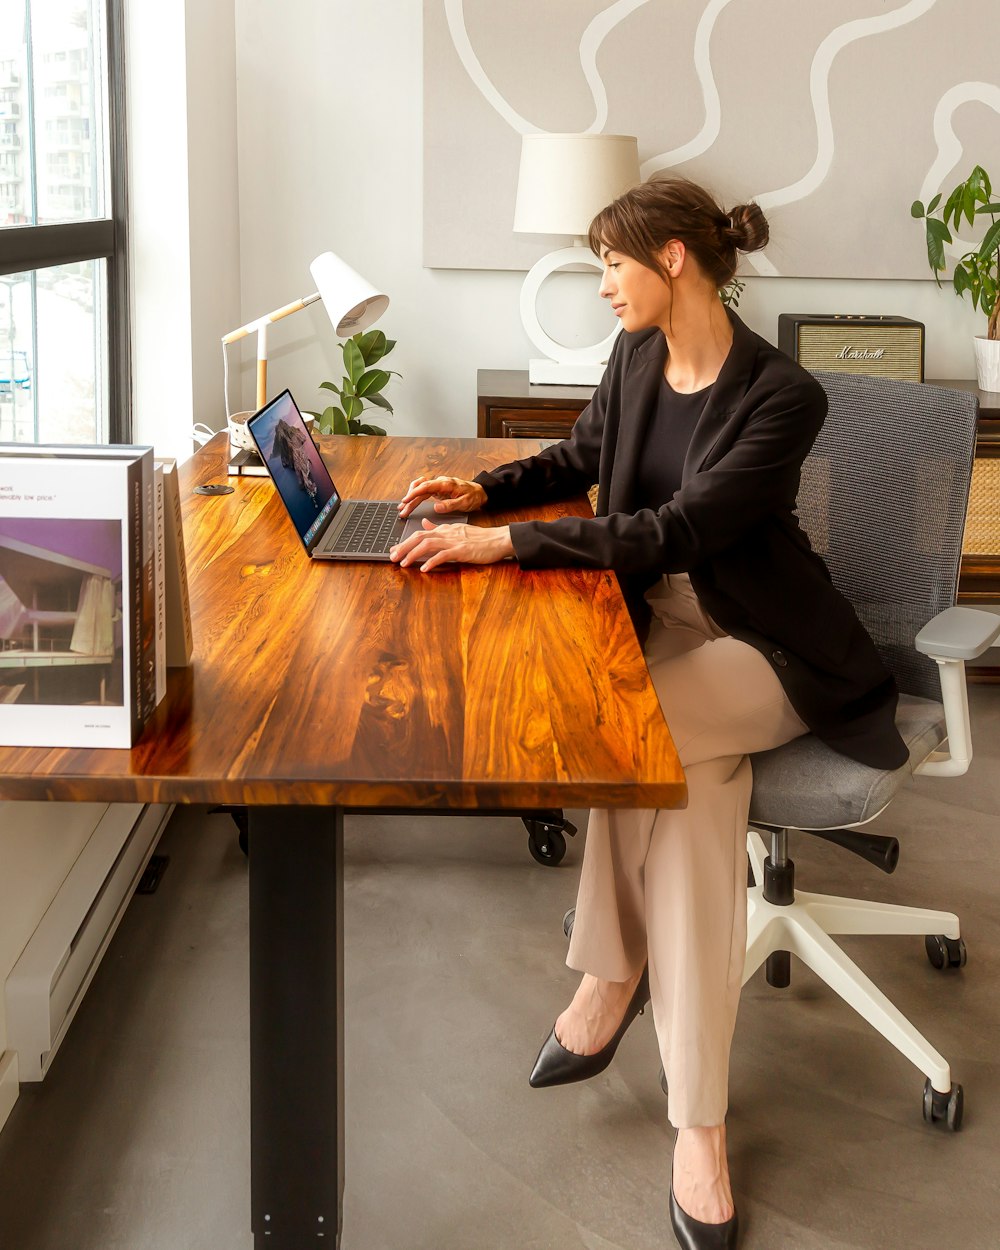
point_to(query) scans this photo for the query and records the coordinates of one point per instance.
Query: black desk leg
(296, 1026)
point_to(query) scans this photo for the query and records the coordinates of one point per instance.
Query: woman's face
(639, 295)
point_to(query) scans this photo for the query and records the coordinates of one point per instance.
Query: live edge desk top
(369, 685)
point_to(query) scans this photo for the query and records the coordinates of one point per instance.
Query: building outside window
(64, 373)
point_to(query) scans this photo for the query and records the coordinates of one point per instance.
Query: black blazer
(732, 526)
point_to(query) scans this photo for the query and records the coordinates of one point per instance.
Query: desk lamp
(563, 183)
(351, 303)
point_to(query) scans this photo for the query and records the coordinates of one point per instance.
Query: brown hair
(643, 220)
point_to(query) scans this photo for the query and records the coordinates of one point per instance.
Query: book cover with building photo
(73, 596)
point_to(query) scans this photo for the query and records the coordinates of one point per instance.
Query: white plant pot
(239, 435)
(987, 362)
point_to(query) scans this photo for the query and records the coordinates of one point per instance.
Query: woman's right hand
(453, 494)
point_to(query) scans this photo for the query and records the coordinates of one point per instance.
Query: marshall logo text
(860, 353)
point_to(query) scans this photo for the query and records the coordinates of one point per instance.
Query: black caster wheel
(568, 922)
(546, 843)
(778, 969)
(945, 952)
(946, 1109)
(663, 1081)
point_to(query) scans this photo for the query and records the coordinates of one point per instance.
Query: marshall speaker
(889, 347)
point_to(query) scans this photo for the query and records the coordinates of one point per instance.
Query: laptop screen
(295, 464)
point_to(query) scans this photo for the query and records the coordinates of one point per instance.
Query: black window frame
(25, 248)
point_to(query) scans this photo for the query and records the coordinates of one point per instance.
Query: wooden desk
(321, 686)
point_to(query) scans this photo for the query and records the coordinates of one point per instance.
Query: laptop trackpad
(426, 509)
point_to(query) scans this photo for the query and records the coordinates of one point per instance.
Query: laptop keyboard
(371, 527)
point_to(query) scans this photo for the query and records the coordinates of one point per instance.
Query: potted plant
(361, 385)
(977, 273)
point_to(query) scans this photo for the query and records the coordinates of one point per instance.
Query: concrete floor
(138, 1139)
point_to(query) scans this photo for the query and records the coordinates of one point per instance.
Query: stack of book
(93, 593)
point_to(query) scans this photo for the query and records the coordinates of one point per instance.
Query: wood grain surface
(370, 685)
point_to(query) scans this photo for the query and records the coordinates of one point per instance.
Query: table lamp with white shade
(563, 183)
(351, 303)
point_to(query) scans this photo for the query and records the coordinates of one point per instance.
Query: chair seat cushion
(807, 785)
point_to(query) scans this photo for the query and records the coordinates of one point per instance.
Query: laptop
(331, 528)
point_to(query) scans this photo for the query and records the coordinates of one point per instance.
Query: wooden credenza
(510, 407)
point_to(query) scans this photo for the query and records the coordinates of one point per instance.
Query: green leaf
(989, 296)
(329, 386)
(354, 361)
(354, 427)
(972, 281)
(917, 210)
(961, 280)
(991, 242)
(333, 421)
(933, 204)
(353, 407)
(373, 380)
(371, 429)
(346, 387)
(953, 206)
(372, 346)
(380, 401)
(978, 183)
(969, 205)
(938, 235)
(990, 208)
(389, 345)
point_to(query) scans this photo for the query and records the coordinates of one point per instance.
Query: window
(64, 350)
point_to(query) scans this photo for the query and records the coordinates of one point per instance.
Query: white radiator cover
(48, 982)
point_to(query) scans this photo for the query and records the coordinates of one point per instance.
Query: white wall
(330, 157)
(181, 58)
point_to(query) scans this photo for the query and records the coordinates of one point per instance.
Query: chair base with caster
(783, 921)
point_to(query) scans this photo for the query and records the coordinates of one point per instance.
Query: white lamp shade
(351, 302)
(565, 180)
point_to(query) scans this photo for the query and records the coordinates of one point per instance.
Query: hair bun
(749, 230)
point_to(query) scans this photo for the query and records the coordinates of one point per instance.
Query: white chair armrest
(958, 634)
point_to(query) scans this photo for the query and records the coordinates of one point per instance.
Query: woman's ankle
(595, 1014)
(700, 1175)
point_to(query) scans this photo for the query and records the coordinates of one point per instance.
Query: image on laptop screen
(295, 464)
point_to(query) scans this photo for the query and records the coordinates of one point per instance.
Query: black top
(668, 437)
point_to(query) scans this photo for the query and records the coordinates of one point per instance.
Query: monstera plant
(360, 387)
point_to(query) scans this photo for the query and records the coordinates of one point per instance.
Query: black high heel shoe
(556, 1065)
(693, 1234)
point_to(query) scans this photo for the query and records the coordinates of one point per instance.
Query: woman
(696, 436)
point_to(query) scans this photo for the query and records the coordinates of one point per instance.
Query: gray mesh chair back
(883, 499)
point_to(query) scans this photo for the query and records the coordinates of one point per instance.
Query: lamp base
(565, 373)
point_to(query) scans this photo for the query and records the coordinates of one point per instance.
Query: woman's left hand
(459, 544)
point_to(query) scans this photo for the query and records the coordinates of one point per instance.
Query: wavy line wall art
(833, 116)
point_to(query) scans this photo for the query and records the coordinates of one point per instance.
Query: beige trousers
(669, 886)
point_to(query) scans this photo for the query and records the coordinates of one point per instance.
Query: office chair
(883, 498)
